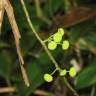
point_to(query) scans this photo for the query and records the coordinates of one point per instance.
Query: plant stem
(40, 13)
(70, 87)
(38, 8)
(93, 91)
(54, 71)
(37, 36)
(44, 46)
(67, 5)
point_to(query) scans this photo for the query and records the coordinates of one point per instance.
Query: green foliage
(87, 77)
(35, 79)
(5, 63)
(80, 37)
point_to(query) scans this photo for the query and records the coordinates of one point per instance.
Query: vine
(48, 77)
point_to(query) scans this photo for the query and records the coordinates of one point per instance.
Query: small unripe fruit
(52, 45)
(48, 77)
(63, 72)
(57, 37)
(65, 44)
(61, 31)
(72, 72)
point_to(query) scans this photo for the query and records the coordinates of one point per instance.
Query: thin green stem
(38, 8)
(40, 13)
(48, 39)
(59, 70)
(44, 45)
(37, 36)
(70, 87)
(53, 71)
(67, 5)
(93, 91)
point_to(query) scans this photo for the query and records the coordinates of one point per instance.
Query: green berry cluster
(62, 72)
(53, 41)
(72, 72)
(56, 39)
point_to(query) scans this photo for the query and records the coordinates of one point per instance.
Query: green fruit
(63, 72)
(57, 37)
(61, 31)
(72, 72)
(52, 45)
(65, 44)
(48, 77)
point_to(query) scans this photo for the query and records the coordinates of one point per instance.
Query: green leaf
(4, 45)
(56, 5)
(53, 6)
(5, 63)
(86, 77)
(35, 70)
(27, 42)
(35, 75)
(91, 39)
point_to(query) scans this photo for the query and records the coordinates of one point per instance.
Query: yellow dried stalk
(1, 13)
(9, 10)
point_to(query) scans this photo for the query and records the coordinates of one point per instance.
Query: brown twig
(42, 93)
(1, 13)
(7, 90)
(25, 77)
(17, 36)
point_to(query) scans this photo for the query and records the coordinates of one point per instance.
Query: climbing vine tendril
(47, 77)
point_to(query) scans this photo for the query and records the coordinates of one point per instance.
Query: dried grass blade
(17, 36)
(1, 13)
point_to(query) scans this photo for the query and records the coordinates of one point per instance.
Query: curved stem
(46, 40)
(44, 45)
(54, 71)
(37, 36)
(70, 87)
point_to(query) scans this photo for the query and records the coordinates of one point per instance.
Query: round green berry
(48, 77)
(61, 31)
(65, 44)
(52, 45)
(57, 37)
(72, 72)
(63, 72)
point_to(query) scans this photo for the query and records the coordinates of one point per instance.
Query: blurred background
(78, 18)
